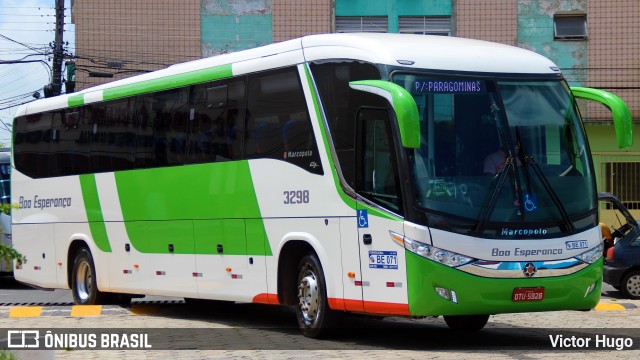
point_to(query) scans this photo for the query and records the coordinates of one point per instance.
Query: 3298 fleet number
(296, 197)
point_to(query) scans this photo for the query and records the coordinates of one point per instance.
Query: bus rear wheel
(466, 322)
(84, 286)
(315, 318)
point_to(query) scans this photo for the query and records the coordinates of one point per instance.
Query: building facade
(596, 43)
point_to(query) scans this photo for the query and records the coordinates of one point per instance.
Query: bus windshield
(500, 158)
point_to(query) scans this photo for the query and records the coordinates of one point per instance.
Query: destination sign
(448, 87)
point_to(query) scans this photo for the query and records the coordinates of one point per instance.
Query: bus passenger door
(384, 287)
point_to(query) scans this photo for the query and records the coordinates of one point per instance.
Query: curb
(30, 311)
(609, 306)
(69, 310)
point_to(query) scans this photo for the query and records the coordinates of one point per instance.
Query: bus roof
(408, 50)
(428, 52)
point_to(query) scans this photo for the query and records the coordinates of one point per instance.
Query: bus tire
(314, 316)
(466, 322)
(84, 286)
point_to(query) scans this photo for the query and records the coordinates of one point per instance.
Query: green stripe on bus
(75, 100)
(168, 82)
(193, 207)
(94, 212)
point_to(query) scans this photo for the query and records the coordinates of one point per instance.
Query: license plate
(383, 259)
(528, 294)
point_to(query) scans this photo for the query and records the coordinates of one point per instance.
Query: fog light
(444, 293)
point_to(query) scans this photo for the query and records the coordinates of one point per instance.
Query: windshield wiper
(529, 160)
(490, 204)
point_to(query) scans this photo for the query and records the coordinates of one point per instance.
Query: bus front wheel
(83, 280)
(466, 322)
(315, 318)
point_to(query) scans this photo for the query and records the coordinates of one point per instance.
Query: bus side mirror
(619, 110)
(403, 104)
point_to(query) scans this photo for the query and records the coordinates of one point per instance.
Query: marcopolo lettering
(297, 154)
(522, 232)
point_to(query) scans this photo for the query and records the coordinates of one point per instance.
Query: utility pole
(55, 87)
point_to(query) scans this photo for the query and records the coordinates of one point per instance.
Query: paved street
(265, 332)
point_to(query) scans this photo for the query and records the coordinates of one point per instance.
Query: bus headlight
(592, 255)
(438, 255)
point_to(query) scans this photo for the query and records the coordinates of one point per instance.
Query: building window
(623, 180)
(570, 27)
(425, 25)
(349, 24)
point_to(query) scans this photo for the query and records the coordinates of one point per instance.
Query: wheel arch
(77, 242)
(294, 246)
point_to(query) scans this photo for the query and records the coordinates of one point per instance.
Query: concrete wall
(143, 35)
(393, 9)
(297, 18)
(231, 25)
(491, 20)
(614, 52)
(535, 32)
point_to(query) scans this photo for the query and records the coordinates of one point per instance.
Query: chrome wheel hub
(83, 281)
(308, 296)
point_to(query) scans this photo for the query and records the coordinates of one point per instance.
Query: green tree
(7, 252)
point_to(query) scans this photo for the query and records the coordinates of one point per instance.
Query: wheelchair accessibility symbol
(530, 202)
(363, 219)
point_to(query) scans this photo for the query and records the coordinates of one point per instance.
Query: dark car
(622, 260)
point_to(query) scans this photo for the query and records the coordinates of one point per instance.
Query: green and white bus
(334, 173)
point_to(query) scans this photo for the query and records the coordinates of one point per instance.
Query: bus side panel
(170, 257)
(383, 273)
(298, 205)
(221, 259)
(129, 271)
(350, 264)
(38, 248)
(322, 234)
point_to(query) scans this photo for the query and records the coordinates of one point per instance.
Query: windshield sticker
(530, 202)
(383, 259)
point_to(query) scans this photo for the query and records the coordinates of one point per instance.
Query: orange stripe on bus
(371, 307)
(384, 308)
(266, 298)
(346, 304)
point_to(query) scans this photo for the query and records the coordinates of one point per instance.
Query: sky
(30, 23)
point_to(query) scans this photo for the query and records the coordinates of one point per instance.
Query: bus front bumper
(435, 289)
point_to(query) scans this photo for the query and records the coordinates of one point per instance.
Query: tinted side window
(377, 171)
(32, 144)
(162, 135)
(69, 151)
(113, 134)
(341, 103)
(216, 123)
(278, 124)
